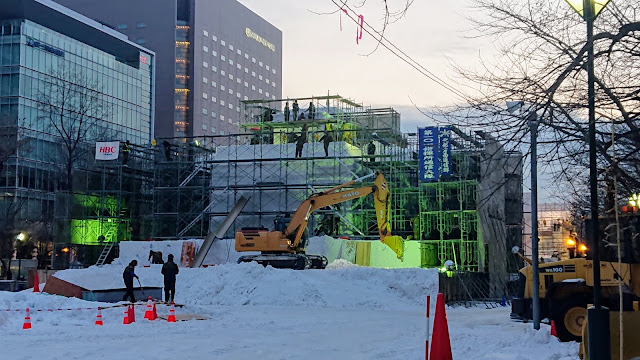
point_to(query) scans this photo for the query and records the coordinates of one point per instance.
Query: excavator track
(287, 261)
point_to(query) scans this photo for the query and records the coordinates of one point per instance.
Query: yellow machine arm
(335, 195)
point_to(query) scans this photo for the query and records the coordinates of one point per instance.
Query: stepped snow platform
(102, 285)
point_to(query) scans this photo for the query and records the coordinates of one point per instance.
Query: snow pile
(340, 264)
(353, 287)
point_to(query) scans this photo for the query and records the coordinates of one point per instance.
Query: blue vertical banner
(444, 150)
(428, 159)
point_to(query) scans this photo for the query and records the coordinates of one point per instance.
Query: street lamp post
(532, 119)
(598, 316)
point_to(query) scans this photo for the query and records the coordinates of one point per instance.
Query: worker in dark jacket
(169, 270)
(128, 275)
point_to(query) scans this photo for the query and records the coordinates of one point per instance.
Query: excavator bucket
(396, 243)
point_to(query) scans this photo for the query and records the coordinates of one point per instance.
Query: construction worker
(326, 139)
(371, 150)
(166, 145)
(169, 270)
(312, 110)
(128, 275)
(295, 109)
(301, 140)
(126, 149)
(155, 257)
(286, 112)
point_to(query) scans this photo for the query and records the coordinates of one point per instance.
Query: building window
(273, 97)
(273, 71)
(230, 47)
(214, 84)
(260, 63)
(239, 66)
(222, 87)
(205, 33)
(214, 68)
(230, 77)
(266, 81)
(230, 121)
(239, 52)
(222, 102)
(214, 53)
(204, 126)
(260, 77)
(253, 87)
(141, 25)
(214, 114)
(221, 118)
(267, 94)
(267, 67)
(238, 95)
(237, 108)
(205, 80)
(205, 64)
(246, 98)
(230, 62)
(223, 73)
(221, 131)
(205, 96)
(246, 56)
(122, 26)
(253, 60)
(204, 111)
(215, 38)
(205, 48)
(246, 84)
(230, 107)
(246, 70)
(223, 58)
(253, 73)
(230, 91)
(214, 99)
(238, 80)
(213, 130)
(260, 91)
(141, 41)
(273, 83)
(223, 43)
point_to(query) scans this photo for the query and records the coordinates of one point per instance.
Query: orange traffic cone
(172, 314)
(440, 342)
(155, 313)
(36, 283)
(554, 332)
(148, 314)
(99, 317)
(126, 320)
(27, 321)
(132, 313)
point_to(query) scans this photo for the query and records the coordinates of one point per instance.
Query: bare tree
(71, 104)
(542, 61)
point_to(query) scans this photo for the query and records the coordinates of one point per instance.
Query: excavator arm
(338, 194)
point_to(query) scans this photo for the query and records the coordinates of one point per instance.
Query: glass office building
(54, 58)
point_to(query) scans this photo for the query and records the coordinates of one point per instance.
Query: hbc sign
(107, 150)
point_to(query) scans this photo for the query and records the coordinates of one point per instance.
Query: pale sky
(318, 57)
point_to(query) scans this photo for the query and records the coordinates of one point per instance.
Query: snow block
(60, 287)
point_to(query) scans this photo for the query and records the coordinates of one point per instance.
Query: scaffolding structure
(111, 202)
(199, 179)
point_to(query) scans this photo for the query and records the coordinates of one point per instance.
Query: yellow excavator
(285, 247)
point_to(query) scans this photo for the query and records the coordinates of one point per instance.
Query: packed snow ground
(343, 312)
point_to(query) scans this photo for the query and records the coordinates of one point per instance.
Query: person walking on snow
(128, 275)
(169, 270)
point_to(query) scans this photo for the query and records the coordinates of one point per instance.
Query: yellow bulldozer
(285, 246)
(566, 286)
